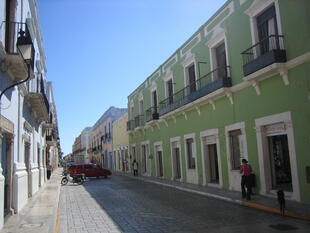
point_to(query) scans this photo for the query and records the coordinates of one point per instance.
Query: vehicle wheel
(81, 181)
(64, 181)
(105, 176)
(97, 177)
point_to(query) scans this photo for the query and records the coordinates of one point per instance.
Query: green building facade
(238, 88)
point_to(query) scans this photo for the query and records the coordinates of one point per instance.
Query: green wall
(275, 97)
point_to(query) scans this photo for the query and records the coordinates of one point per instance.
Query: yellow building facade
(121, 157)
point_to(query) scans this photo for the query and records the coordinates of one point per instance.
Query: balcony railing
(209, 83)
(39, 103)
(151, 114)
(266, 52)
(49, 138)
(139, 121)
(130, 125)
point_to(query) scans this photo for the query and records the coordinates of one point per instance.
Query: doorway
(176, 160)
(212, 174)
(280, 166)
(39, 165)
(160, 170)
(144, 166)
(28, 167)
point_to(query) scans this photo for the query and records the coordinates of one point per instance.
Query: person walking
(245, 171)
(135, 168)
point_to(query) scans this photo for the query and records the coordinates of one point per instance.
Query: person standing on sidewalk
(245, 171)
(135, 168)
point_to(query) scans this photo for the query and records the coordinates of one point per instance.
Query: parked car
(89, 169)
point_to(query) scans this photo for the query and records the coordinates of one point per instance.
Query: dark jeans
(48, 174)
(246, 187)
(135, 172)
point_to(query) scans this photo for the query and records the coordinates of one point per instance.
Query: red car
(89, 169)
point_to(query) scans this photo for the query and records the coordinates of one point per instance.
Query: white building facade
(24, 108)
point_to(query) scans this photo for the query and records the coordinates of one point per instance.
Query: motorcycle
(75, 179)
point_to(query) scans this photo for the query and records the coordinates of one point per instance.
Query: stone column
(10, 161)
(2, 181)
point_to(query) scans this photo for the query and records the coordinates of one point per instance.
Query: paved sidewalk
(41, 212)
(264, 203)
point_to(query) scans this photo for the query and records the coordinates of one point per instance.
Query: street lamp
(25, 48)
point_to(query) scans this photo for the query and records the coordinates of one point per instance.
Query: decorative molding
(229, 96)
(27, 127)
(174, 119)
(218, 35)
(255, 84)
(184, 114)
(175, 139)
(165, 121)
(166, 67)
(6, 125)
(168, 76)
(197, 109)
(155, 75)
(284, 74)
(212, 103)
(230, 7)
(188, 51)
(209, 132)
(258, 6)
(153, 86)
(190, 58)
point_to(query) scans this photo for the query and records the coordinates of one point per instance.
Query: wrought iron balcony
(39, 103)
(139, 121)
(50, 140)
(14, 59)
(130, 125)
(151, 114)
(266, 52)
(207, 84)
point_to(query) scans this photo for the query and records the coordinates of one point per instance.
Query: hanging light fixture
(25, 46)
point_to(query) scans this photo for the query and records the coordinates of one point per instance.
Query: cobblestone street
(121, 204)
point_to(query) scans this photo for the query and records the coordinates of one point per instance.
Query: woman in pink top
(245, 171)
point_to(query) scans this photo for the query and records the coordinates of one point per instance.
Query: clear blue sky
(99, 51)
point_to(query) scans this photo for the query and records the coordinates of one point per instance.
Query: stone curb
(228, 199)
(54, 226)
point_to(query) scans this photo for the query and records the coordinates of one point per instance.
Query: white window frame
(133, 156)
(177, 141)
(206, 134)
(194, 172)
(167, 78)
(189, 61)
(213, 43)
(152, 90)
(159, 145)
(148, 162)
(285, 118)
(243, 148)
(258, 7)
